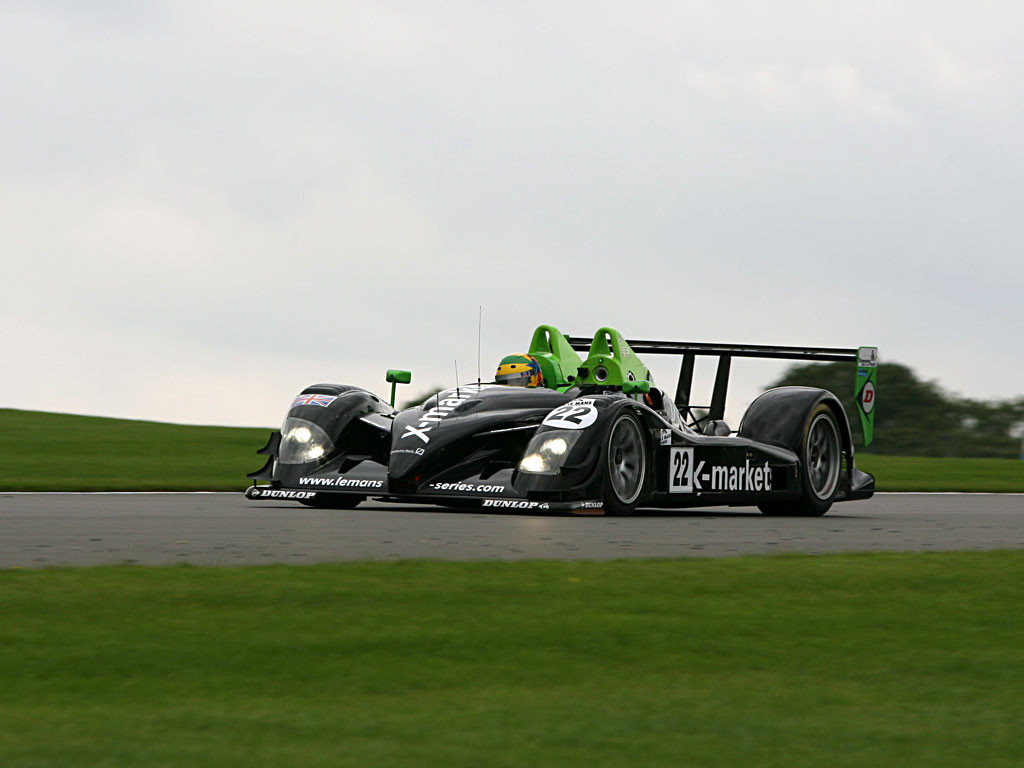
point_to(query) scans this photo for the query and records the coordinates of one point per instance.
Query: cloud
(835, 90)
(222, 197)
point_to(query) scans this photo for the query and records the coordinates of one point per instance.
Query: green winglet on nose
(396, 378)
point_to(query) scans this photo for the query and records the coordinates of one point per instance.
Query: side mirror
(632, 387)
(395, 378)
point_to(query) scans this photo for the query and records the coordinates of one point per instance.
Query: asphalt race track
(41, 529)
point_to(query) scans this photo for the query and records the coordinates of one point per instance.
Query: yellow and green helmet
(519, 371)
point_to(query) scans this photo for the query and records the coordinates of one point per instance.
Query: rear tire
(821, 458)
(625, 466)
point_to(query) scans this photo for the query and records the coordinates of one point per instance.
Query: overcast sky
(206, 206)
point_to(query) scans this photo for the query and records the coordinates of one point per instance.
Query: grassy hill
(60, 452)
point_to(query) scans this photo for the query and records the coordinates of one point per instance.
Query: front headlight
(548, 451)
(302, 441)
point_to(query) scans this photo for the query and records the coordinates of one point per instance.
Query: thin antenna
(457, 378)
(479, 333)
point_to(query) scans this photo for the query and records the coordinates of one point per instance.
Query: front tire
(625, 466)
(821, 459)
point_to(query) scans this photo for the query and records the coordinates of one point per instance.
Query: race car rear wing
(865, 357)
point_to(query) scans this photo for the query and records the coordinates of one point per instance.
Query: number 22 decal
(578, 414)
(680, 466)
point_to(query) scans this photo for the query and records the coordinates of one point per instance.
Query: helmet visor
(517, 379)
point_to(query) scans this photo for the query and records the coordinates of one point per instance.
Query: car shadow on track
(692, 512)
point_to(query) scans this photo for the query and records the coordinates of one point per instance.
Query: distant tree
(917, 418)
(418, 399)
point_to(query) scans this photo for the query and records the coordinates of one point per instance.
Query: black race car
(586, 435)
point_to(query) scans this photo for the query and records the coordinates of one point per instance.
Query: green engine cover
(557, 359)
(611, 362)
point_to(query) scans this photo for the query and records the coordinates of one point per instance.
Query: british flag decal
(323, 400)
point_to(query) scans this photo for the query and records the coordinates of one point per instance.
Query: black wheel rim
(822, 456)
(626, 460)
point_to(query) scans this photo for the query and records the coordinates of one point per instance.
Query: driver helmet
(519, 371)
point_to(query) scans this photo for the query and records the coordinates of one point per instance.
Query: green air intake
(611, 362)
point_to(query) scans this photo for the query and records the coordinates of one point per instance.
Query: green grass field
(59, 452)
(855, 660)
(912, 473)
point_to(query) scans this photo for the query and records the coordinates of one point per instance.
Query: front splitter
(587, 507)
